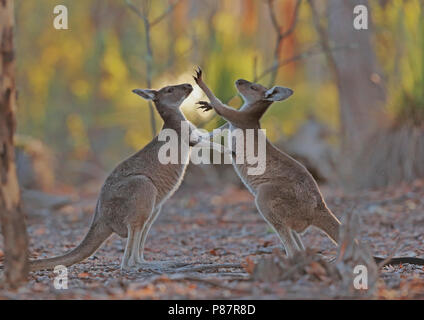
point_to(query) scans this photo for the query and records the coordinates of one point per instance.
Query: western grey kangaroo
(286, 194)
(132, 196)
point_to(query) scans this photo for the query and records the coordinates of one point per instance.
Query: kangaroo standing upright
(132, 195)
(286, 194)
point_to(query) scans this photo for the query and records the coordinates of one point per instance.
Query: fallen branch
(209, 281)
(391, 255)
(208, 267)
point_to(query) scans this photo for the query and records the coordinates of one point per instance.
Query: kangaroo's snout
(187, 87)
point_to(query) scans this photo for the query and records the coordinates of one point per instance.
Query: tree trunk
(360, 86)
(12, 219)
(361, 92)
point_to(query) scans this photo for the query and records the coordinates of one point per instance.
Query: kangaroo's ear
(146, 93)
(278, 93)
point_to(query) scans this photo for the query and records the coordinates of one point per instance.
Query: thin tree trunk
(361, 91)
(360, 86)
(12, 219)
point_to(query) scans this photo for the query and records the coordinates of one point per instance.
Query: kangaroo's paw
(206, 106)
(198, 76)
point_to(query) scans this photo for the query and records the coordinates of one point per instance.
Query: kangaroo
(132, 195)
(286, 194)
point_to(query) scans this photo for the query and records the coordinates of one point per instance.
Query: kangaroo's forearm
(226, 112)
(214, 100)
(220, 108)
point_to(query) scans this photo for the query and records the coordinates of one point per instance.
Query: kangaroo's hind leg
(298, 240)
(286, 237)
(146, 230)
(138, 206)
(157, 265)
(265, 203)
(130, 260)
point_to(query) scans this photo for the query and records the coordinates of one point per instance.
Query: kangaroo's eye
(253, 88)
(170, 90)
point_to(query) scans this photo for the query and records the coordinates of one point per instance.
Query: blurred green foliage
(400, 48)
(75, 85)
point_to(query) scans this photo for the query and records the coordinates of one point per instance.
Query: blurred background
(355, 120)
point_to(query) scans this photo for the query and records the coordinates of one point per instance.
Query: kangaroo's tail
(96, 235)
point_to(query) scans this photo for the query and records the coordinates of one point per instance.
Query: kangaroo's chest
(169, 176)
(250, 159)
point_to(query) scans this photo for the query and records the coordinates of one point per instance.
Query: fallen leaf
(83, 275)
(316, 269)
(40, 231)
(249, 265)
(267, 243)
(141, 293)
(214, 252)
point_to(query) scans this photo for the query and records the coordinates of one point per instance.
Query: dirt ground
(221, 226)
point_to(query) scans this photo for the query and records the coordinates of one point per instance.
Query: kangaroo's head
(167, 97)
(254, 92)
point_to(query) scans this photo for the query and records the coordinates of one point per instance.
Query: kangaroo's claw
(198, 76)
(206, 106)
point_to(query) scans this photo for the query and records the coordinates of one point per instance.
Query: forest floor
(221, 226)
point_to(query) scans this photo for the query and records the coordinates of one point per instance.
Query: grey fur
(286, 194)
(132, 195)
